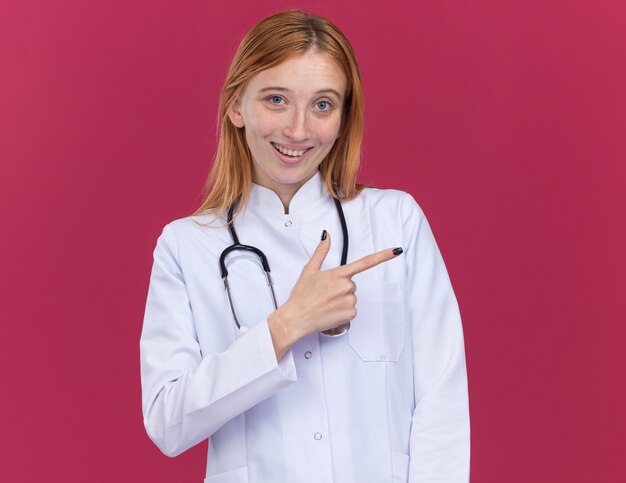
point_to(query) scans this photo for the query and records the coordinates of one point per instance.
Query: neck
(285, 198)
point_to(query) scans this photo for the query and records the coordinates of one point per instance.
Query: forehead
(311, 71)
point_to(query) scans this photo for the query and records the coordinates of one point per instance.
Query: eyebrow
(284, 89)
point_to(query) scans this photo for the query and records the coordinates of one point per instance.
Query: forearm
(182, 412)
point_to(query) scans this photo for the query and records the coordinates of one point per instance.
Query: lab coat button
(317, 436)
(288, 223)
(308, 354)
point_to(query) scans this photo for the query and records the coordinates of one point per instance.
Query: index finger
(369, 261)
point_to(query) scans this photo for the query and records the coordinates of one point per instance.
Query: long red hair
(269, 43)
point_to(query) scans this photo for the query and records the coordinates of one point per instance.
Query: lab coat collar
(267, 202)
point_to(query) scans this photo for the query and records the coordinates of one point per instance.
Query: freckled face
(292, 115)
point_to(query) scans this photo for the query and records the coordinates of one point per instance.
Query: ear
(234, 113)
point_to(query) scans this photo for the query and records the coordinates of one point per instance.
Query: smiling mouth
(292, 153)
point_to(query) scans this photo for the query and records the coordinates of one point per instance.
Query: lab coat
(386, 402)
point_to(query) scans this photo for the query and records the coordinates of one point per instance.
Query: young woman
(349, 366)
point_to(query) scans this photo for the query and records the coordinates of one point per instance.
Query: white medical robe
(386, 402)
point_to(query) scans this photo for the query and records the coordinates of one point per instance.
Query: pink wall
(505, 120)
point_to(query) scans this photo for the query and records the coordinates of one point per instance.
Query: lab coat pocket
(238, 475)
(377, 332)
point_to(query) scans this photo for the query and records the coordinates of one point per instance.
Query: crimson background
(505, 119)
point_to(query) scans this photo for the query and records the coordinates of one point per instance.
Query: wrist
(283, 331)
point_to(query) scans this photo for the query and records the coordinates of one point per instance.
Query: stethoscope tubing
(237, 245)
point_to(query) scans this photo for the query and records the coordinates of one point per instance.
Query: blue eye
(324, 105)
(275, 99)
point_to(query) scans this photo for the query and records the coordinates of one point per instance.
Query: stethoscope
(266, 266)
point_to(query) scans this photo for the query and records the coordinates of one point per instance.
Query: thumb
(319, 255)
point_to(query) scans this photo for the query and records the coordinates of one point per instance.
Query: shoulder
(392, 203)
(190, 224)
(181, 230)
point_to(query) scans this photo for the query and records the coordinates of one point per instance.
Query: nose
(297, 127)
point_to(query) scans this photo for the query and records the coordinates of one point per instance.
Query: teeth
(289, 152)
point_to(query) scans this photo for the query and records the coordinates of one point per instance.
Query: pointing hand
(322, 300)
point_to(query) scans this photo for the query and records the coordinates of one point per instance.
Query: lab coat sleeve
(440, 431)
(187, 395)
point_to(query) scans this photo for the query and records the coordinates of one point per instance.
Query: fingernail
(397, 251)
(324, 234)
